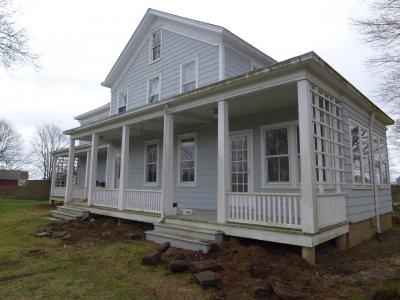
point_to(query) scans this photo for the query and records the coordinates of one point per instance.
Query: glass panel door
(239, 144)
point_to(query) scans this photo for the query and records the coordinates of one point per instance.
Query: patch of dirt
(36, 253)
(98, 229)
(9, 263)
(249, 265)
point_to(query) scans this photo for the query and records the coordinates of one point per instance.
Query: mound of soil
(99, 229)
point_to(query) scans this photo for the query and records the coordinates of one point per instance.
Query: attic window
(122, 100)
(155, 50)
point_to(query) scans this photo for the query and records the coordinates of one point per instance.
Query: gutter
(371, 146)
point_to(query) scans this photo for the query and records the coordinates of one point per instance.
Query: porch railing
(331, 209)
(143, 200)
(79, 192)
(271, 209)
(105, 197)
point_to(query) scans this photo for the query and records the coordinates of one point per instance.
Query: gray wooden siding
(235, 63)
(81, 171)
(360, 203)
(175, 50)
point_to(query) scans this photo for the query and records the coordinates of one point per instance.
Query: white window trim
(361, 185)
(159, 86)
(196, 71)
(151, 142)
(151, 61)
(250, 181)
(180, 137)
(380, 136)
(291, 127)
(127, 97)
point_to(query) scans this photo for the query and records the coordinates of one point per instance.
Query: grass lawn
(109, 270)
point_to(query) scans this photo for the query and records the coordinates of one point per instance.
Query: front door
(117, 170)
(240, 157)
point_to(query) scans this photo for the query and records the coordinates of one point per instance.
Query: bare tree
(382, 32)
(14, 41)
(11, 153)
(48, 138)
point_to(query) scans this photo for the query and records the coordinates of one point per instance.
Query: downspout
(371, 146)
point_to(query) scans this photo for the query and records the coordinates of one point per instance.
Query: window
(155, 45)
(151, 163)
(189, 76)
(380, 160)
(187, 160)
(276, 157)
(153, 89)
(360, 154)
(328, 138)
(62, 170)
(122, 101)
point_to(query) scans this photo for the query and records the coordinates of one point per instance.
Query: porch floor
(199, 215)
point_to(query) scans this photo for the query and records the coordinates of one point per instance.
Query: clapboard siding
(101, 167)
(176, 49)
(360, 203)
(81, 171)
(235, 63)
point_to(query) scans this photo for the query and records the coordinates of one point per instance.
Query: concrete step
(63, 216)
(77, 212)
(194, 232)
(179, 241)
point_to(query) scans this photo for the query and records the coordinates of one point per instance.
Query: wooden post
(308, 202)
(87, 169)
(53, 177)
(123, 179)
(93, 167)
(223, 160)
(167, 166)
(70, 171)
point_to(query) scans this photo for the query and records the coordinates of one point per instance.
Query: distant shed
(13, 177)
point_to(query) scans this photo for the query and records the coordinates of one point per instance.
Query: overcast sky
(80, 40)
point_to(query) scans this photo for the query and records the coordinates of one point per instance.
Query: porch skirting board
(128, 215)
(363, 230)
(270, 234)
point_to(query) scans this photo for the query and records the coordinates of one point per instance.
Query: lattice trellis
(328, 139)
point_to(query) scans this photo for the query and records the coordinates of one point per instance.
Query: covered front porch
(265, 159)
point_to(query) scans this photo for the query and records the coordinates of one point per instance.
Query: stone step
(81, 213)
(195, 232)
(179, 241)
(63, 216)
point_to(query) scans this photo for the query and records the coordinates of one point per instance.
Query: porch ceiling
(265, 100)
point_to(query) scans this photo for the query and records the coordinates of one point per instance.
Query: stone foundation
(362, 231)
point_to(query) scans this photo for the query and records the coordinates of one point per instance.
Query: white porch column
(123, 179)
(87, 171)
(53, 176)
(308, 203)
(167, 198)
(223, 160)
(70, 171)
(93, 167)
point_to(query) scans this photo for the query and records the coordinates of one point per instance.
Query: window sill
(187, 185)
(362, 187)
(150, 184)
(280, 186)
(154, 61)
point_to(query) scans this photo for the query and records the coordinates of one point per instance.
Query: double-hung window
(151, 163)
(122, 101)
(153, 89)
(361, 163)
(189, 76)
(155, 45)
(380, 160)
(187, 160)
(276, 156)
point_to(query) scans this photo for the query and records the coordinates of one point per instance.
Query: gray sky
(80, 41)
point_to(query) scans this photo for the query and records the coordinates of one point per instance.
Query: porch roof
(310, 61)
